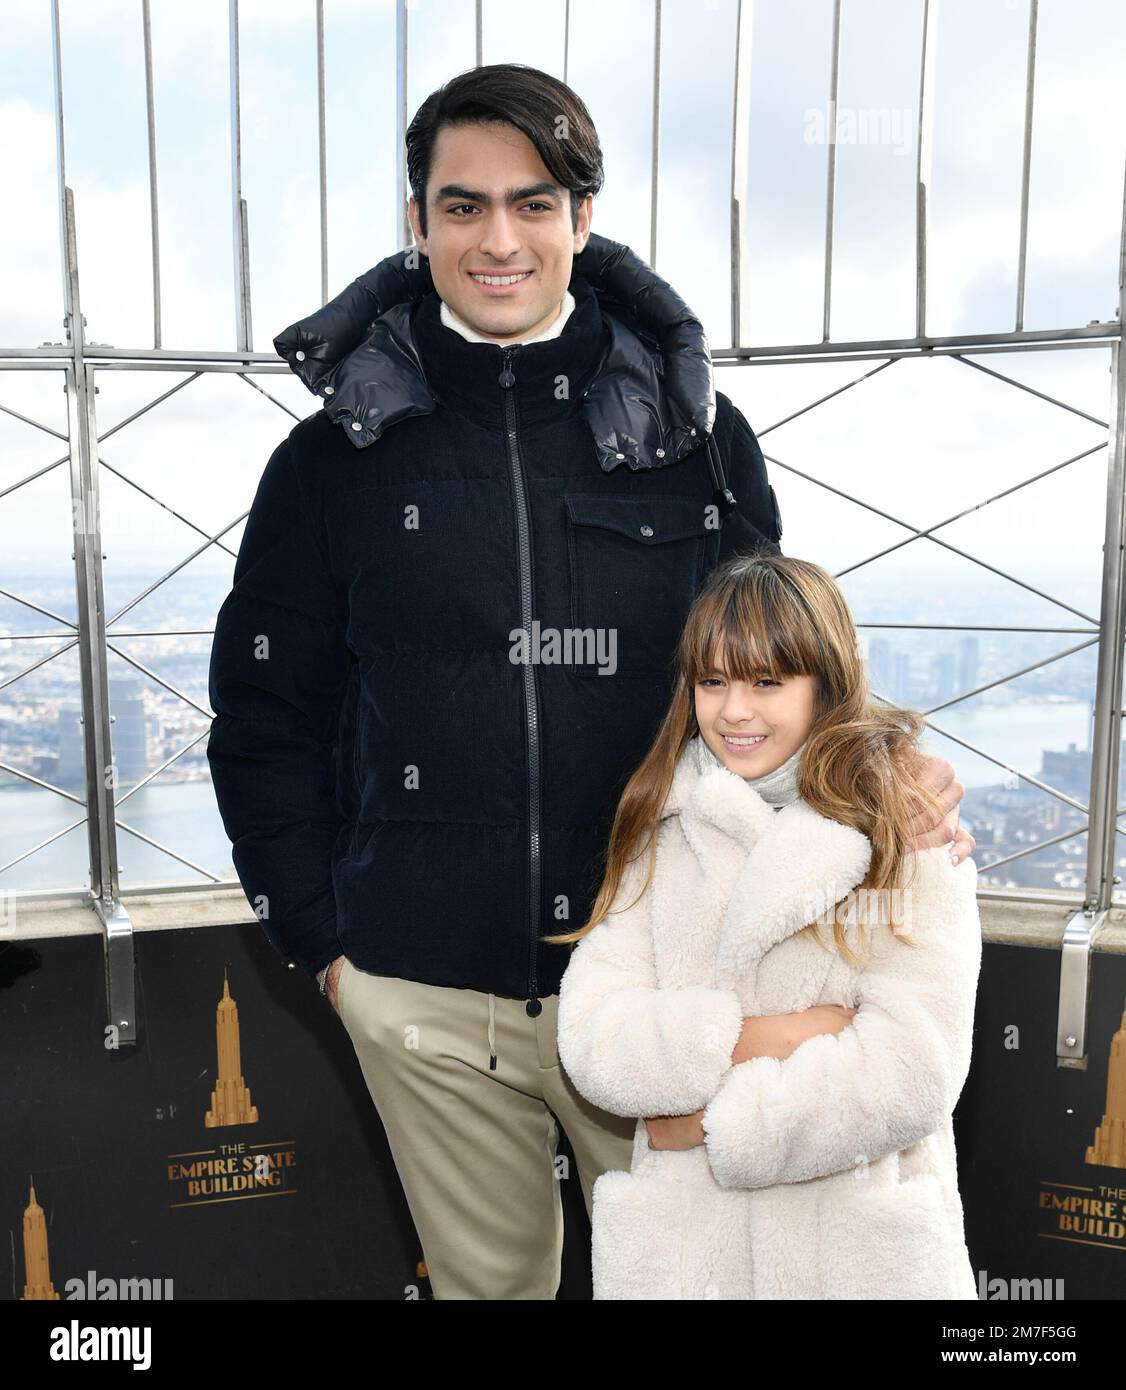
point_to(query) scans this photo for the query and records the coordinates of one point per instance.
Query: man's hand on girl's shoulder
(929, 828)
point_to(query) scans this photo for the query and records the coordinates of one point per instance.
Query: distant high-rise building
(968, 650)
(901, 686)
(879, 666)
(943, 676)
(71, 767)
(1068, 771)
(129, 730)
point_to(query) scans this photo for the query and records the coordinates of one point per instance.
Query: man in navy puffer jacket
(448, 644)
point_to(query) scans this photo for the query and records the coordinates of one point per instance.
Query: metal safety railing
(79, 362)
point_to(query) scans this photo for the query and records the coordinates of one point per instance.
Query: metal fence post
(101, 777)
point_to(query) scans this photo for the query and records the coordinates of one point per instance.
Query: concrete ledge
(1012, 922)
(1005, 920)
(167, 910)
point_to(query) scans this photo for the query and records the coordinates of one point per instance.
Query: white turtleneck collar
(451, 320)
(778, 788)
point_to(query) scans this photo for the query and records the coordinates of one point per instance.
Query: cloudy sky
(922, 440)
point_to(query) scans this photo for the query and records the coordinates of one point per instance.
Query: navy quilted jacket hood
(402, 781)
(652, 400)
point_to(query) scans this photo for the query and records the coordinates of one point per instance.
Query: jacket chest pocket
(636, 564)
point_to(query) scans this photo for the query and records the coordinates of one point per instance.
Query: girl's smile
(741, 745)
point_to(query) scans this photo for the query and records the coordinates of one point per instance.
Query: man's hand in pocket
(333, 981)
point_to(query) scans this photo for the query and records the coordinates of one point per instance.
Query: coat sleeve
(630, 1046)
(279, 665)
(888, 1079)
(756, 522)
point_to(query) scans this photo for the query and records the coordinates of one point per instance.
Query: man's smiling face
(494, 210)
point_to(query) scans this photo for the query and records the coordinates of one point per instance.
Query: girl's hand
(777, 1035)
(675, 1131)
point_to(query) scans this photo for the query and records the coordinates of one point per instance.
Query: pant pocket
(344, 990)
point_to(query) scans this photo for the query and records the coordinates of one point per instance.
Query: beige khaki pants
(475, 1146)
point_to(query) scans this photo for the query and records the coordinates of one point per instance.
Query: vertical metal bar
(478, 34)
(244, 276)
(406, 236)
(831, 172)
(101, 779)
(656, 135)
(566, 36)
(238, 203)
(321, 158)
(1026, 160)
(1108, 682)
(150, 102)
(924, 154)
(1083, 927)
(740, 162)
(60, 157)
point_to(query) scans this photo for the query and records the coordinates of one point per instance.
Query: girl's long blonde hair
(777, 616)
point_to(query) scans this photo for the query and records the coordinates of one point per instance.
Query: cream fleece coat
(830, 1174)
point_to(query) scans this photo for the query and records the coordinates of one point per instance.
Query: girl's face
(754, 726)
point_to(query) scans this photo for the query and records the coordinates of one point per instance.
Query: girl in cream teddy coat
(783, 997)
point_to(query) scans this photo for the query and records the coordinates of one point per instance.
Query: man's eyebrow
(512, 195)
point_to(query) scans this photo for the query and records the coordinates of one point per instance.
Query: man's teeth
(499, 279)
(744, 742)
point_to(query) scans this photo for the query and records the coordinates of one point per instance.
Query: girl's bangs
(746, 657)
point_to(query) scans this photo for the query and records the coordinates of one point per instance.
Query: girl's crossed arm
(881, 1084)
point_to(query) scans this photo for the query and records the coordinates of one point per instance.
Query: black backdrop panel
(309, 1205)
(1023, 1128)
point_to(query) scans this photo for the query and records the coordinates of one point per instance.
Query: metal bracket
(120, 996)
(1075, 987)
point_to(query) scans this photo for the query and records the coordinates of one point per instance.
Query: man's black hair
(548, 112)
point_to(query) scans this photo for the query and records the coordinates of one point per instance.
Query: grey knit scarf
(778, 788)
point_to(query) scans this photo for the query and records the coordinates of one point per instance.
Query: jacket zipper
(507, 380)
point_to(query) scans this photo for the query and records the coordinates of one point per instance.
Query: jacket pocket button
(646, 530)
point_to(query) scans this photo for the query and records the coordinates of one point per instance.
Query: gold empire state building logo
(230, 1100)
(35, 1264)
(1109, 1147)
